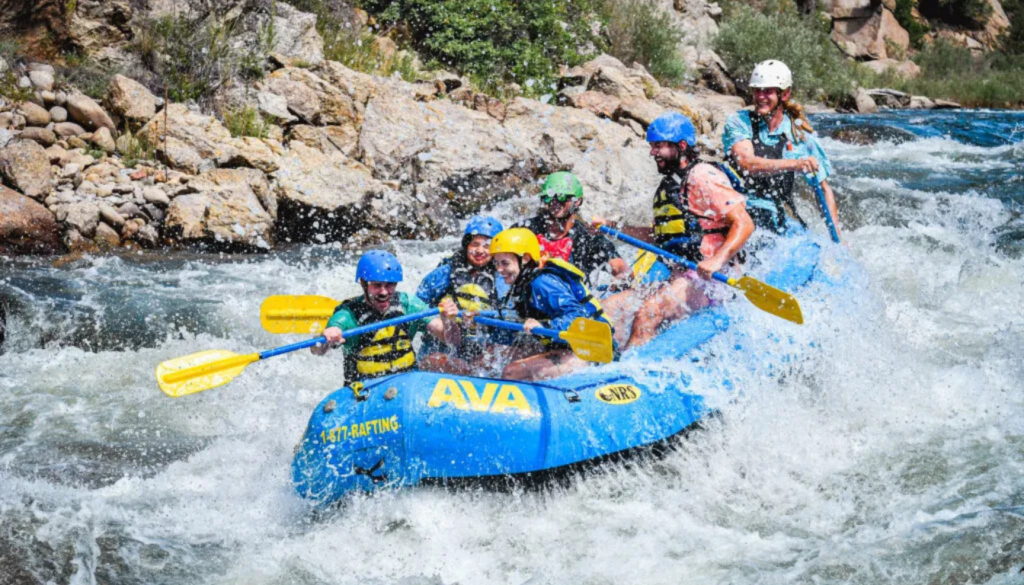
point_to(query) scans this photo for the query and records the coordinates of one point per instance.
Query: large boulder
(610, 160)
(96, 24)
(295, 35)
(194, 143)
(312, 98)
(223, 210)
(330, 197)
(25, 166)
(445, 152)
(871, 37)
(84, 110)
(35, 115)
(26, 227)
(130, 100)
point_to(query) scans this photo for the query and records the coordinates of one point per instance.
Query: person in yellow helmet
(545, 293)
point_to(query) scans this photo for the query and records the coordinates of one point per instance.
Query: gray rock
(194, 142)
(59, 114)
(156, 196)
(6, 136)
(68, 130)
(82, 109)
(130, 99)
(148, 236)
(42, 136)
(106, 236)
(920, 102)
(863, 102)
(110, 215)
(35, 115)
(275, 106)
(26, 167)
(48, 97)
(83, 216)
(60, 99)
(42, 80)
(155, 213)
(224, 211)
(131, 211)
(26, 227)
(104, 141)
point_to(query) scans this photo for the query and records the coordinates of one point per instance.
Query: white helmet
(771, 73)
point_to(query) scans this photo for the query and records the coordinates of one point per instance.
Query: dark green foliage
(1013, 39)
(966, 13)
(495, 41)
(904, 15)
(638, 31)
(819, 69)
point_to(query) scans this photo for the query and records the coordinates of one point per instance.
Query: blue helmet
(672, 127)
(378, 266)
(483, 226)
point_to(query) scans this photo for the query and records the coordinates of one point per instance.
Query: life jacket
(566, 272)
(382, 352)
(462, 274)
(560, 248)
(676, 227)
(768, 193)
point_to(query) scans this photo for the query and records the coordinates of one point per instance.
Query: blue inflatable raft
(427, 428)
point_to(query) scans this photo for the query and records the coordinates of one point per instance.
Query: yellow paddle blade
(201, 371)
(590, 340)
(296, 314)
(770, 299)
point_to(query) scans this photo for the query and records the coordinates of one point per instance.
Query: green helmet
(563, 186)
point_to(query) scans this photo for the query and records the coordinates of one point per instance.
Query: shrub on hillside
(819, 71)
(495, 41)
(904, 15)
(639, 32)
(965, 13)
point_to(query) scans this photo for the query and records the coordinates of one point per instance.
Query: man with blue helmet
(697, 215)
(389, 350)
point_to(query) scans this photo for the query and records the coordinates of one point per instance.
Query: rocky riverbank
(348, 156)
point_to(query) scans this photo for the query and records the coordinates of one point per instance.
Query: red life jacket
(560, 248)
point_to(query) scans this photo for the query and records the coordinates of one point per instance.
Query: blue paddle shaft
(349, 333)
(661, 253)
(823, 203)
(542, 331)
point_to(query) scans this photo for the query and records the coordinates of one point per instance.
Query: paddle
(589, 339)
(764, 297)
(208, 369)
(296, 314)
(823, 203)
(308, 314)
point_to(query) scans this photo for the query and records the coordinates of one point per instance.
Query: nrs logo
(617, 393)
(463, 395)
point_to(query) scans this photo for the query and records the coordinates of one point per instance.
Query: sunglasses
(561, 198)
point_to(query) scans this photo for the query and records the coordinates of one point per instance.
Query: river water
(891, 450)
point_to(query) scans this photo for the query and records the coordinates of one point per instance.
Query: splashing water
(889, 450)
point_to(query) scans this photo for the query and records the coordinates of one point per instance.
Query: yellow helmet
(518, 241)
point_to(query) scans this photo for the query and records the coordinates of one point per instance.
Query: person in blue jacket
(544, 292)
(471, 265)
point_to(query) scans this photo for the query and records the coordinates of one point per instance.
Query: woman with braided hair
(769, 145)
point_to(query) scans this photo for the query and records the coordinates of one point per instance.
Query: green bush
(638, 31)
(820, 71)
(904, 15)
(246, 122)
(495, 41)
(1013, 38)
(964, 13)
(83, 73)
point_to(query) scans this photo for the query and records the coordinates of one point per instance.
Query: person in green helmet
(561, 236)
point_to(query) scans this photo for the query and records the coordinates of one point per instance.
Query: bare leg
(672, 302)
(543, 366)
(445, 364)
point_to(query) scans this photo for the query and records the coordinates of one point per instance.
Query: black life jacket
(463, 273)
(383, 352)
(565, 271)
(767, 194)
(677, 229)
